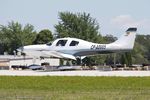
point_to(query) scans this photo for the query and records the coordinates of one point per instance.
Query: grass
(74, 88)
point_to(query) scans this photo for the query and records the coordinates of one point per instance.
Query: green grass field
(74, 88)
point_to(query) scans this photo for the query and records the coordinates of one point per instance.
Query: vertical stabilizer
(126, 41)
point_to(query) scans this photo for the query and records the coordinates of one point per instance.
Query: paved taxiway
(74, 73)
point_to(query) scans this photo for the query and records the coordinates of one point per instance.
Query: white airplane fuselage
(72, 47)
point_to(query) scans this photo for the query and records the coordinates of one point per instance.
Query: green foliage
(79, 25)
(94, 60)
(109, 38)
(44, 36)
(140, 53)
(126, 59)
(109, 60)
(74, 88)
(15, 35)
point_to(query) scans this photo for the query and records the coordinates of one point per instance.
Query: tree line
(77, 25)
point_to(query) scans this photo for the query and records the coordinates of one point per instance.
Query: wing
(58, 54)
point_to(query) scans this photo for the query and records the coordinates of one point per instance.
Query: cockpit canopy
(63, 42)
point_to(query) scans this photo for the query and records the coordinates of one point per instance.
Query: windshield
(49, 43)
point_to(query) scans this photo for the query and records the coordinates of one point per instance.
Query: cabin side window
(74, 43)
(61, 43)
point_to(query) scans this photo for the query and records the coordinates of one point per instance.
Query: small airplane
(72, 48)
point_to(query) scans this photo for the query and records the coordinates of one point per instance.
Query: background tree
(44, 36)
(15, 35)
(79, 25)
(139, 53)
(126, 58)
(109, 38)
(109, 59)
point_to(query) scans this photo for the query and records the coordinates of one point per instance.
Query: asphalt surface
(74, 73)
